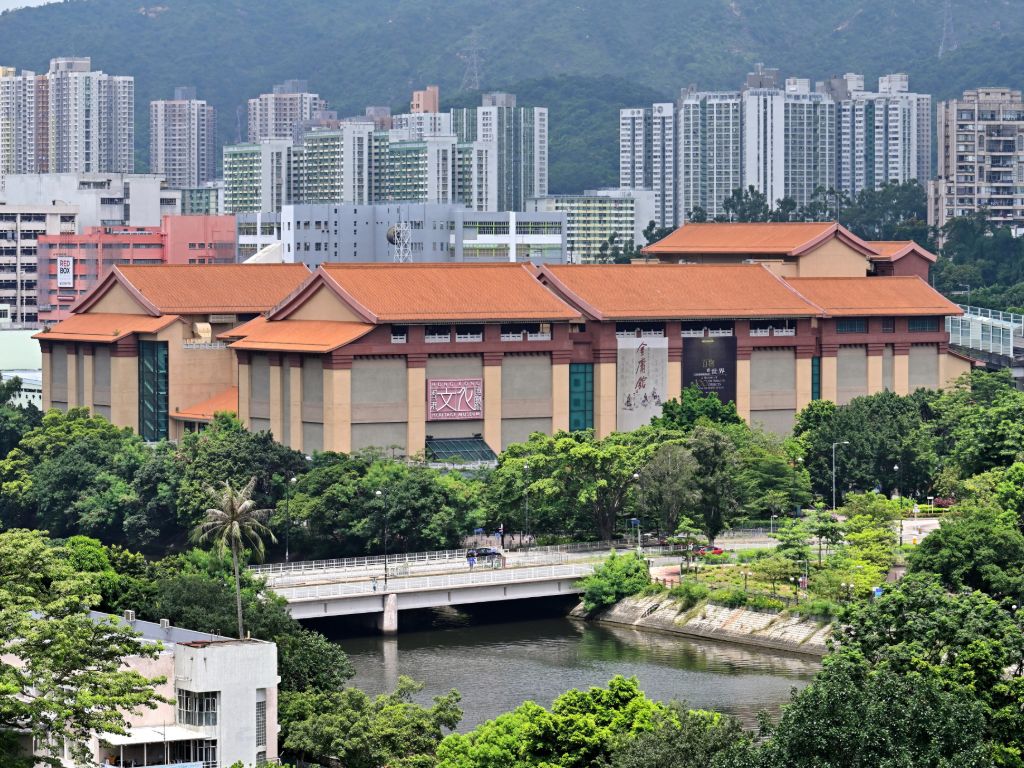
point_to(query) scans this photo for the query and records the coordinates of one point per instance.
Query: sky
(8, 5)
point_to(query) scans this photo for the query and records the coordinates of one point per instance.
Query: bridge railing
(445, 581)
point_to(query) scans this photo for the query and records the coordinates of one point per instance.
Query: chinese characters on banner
(642, 380)
(711, 365)
(455, 399)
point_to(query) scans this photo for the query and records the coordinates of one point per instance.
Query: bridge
(482, 585)
(990, 336)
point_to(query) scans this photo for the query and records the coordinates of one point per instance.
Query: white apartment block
(276, 115)
(222, 706)
(980, 158)
(416, 125)
(261, 177)
(182, 140)
(710, 157)
(20, 228)
(635, 161)
(337, 164)
(593, 217)
(882, 137)
(70, 120)
(100, 199)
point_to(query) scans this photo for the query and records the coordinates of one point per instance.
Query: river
(497, 666)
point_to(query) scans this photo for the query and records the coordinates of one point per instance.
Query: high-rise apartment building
(635, 162)
(598, 215)
(420, 124)
(337, 164)
(882, 137)
(276, 115)
(427, 100)
(261, 177)
(980, 158)
(70, 120)
(520, 139)
(710, 159)
(182, 139)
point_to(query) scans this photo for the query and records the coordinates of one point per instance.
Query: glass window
(153, 390)
(815, 378)
(888, 325)
(200, 708)
(922, 324)
(581, 396)
(851, 325)
(261, 723)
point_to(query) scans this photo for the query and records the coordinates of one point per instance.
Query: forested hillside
(583, 59)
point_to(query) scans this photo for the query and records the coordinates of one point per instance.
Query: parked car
(710, 551)
(482, 552)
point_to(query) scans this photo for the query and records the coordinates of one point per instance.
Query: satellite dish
(392, 238)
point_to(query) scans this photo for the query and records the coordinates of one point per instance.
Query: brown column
(72, 359)
(804, 393)
(560, 391)
(277, 407)
(244, 386)
(674, 331)
(416, 398)
(124, 383)
(876, 381)
(901, 368)
(492, 400)
(295, 404)
(338, 403)
(743, 382)
(87, 374)
(829, 372)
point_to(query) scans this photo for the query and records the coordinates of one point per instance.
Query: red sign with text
(455, 399)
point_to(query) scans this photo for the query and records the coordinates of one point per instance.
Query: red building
(71, 265)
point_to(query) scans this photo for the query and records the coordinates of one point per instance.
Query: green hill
(582, 59)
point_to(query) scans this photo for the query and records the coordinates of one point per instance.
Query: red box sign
(455, 399)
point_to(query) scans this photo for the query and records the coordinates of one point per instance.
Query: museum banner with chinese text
(642, 380)
(455, 399)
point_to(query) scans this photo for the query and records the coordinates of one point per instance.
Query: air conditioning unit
(165, 623)
(129, 616)
(202, 331)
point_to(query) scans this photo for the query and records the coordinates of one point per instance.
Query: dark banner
(710, 363)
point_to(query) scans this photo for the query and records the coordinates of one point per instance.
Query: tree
(311, 662)
(793, 537)
(747, 205)
(774, 569)
(15, 421)
(232, 524)
(720, 494)
(356, 731)
(825, 527)
(684, 738)
(62, 673)
(582, 729)
(617, 577)
(653, 233)
(694, 405)
(666, 486)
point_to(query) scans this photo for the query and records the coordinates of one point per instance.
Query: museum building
(464, 359)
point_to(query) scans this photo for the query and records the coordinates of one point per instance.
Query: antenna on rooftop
(400, 236)
(949, 42)
(472, 56)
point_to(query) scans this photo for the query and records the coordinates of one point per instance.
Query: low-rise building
(21, 228)
(70, 265)
(102, 199)
(598, 215)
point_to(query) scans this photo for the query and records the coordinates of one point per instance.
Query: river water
(497, 666)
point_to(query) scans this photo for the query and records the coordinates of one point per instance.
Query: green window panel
(581, 396)
(153, 390)
(815, 378)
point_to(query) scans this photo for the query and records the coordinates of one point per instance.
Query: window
(261, 722)
(200, 708)
(922, 324)
(581, 396)
(153, 390)
(851, 325)
(888, 325)
(815, 378)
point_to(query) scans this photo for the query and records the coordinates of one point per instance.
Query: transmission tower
(403, 242)
(472, 56)
(949, 42)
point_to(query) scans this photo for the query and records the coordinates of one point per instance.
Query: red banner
(455, 399)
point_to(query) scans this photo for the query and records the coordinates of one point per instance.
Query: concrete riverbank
(775, 631)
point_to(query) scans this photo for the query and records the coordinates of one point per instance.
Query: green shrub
(730, 598)
(750, 555)
(653, 589)
(818, 607)
(717, 559)
(764, 603)
(617, 577)
(688, 593)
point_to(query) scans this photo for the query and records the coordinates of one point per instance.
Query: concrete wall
(924, 366)
(773, 389)
(379, 403)
(833, 259)
(851, 373)
(525, 397)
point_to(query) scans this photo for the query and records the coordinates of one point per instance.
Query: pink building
(70, 265)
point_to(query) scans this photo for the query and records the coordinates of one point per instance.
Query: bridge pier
(388, 620)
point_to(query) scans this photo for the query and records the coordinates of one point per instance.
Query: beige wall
(887, 368)
(47, 380)
(416, 429)
(772, 379)
(526, 395)
(379, 390)
(923, 366)
(117, 300)
(901, 374)
(803, 383)
(337, 410)
(311, 405)
(951, 368)
(58, 380)
(560, 397)
(833, 259)
(851, 373)
(259, 388)
(743, 389)
(124, 392)
(324, 305)
(193, 375)
(604, 399)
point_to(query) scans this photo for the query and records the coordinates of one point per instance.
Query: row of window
(914, 325)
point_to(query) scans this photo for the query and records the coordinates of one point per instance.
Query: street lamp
(639, 545)
(771, 525)
(526, 502)
(380, 495)
(841, 442)
(288, 518)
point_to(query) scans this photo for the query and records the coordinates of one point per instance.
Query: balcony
(772, 331)
(399, 338)
(203, 344)
(462, 338)
(437, 338)
(643, 334)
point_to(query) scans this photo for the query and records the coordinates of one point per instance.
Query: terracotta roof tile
(893, 250)
(845, 296)
(422, 293)
(104, 328)
(720, 237)
(224, 288)
(204, 411)
(296, 335)
(624, 291)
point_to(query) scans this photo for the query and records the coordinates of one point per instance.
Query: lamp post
(380, 495)
(899, 499)
(526, 503)
(771, 525)
(841, 442)
(639, 545)
(288, 519)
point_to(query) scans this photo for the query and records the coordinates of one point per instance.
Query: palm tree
(234, 523)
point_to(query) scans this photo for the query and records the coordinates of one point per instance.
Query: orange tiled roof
(422, 293)
(843, 296)
(225, 288)
(296, 335)
(104, 328)
(204, 411)
(625, 292)
(893, 250)
(777, 238)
